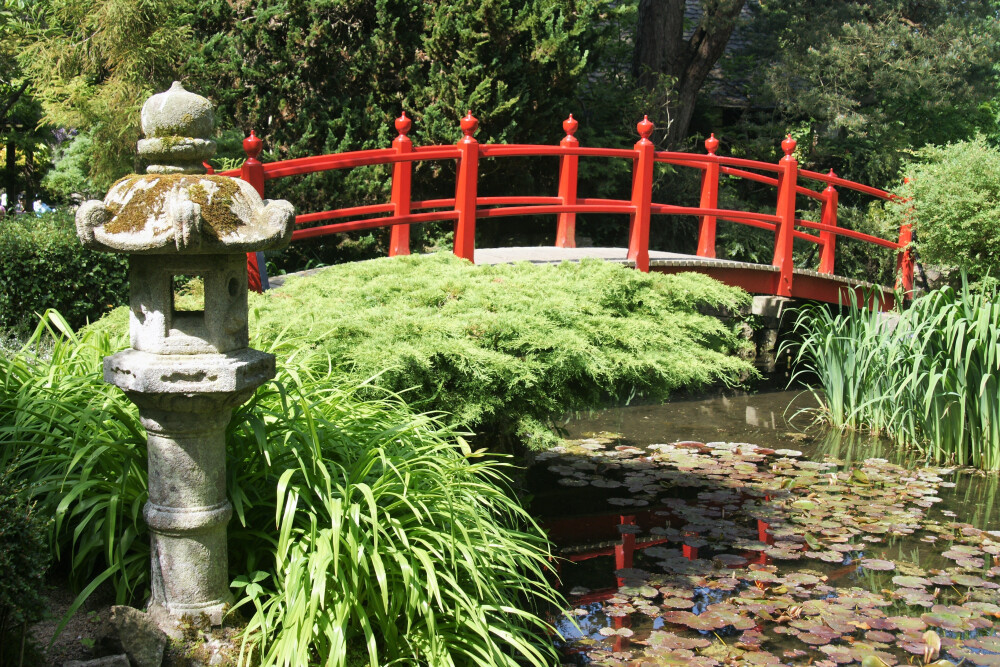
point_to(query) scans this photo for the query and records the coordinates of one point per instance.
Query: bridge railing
(467, 206)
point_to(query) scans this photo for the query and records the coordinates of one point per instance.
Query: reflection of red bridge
(466, 207)
(611, 534)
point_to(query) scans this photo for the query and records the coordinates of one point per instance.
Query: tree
(864, 84)
(94, 62)
(665, 60)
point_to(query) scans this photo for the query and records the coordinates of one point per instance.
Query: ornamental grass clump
(364, 532)
(930, 381)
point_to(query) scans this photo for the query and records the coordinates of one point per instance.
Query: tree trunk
(661, 50)
(29, 179)
(10, 177)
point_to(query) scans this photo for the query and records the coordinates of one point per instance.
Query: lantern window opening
(188, 294)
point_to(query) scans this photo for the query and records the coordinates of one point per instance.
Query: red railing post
(783, 238)
(904, 260)
(566, 227)
(709, 199)
(828, 216)
(402, 172)
(466, 185)
(252, 172)
(642, 196)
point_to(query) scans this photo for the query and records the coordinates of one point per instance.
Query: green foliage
(872, 81)
(359, 523)
(955, 191)
(24, 559)
(387, 536)
(94, 62)
(44, 266)
(70, 173)
(931, 381)
(507, 348)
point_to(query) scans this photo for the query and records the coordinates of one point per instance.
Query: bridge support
(465, 190)
(566, 227)
(402, 173)
(642, 196)
(769, 312)
(783, 235)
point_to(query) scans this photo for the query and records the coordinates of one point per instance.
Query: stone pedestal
(190, 363)
(185, 403)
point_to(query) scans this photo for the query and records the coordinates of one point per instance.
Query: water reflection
(696, 554)
(780, 420)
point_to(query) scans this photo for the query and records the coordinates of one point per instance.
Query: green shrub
(359, 523)
(932, 381)
(956, 206)
(24, 558)
(43, 265)
(507, 348)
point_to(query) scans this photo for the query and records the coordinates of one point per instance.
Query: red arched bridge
(779, 278)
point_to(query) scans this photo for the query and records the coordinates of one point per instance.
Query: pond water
(724, 531)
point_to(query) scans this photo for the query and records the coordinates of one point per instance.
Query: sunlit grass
(930, 382)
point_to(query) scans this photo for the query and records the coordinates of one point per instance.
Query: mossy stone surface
(139, 204)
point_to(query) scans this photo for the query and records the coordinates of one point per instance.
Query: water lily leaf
(877, 564)
(967, 580)
(611, 632)
(873, 661)
(664, 639)
(947, 621)
(910, 582)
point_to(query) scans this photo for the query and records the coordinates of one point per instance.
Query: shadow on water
(752, 539)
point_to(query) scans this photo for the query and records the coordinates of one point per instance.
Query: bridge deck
(755, 278)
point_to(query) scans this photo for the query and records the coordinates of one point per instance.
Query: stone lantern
(189, 364)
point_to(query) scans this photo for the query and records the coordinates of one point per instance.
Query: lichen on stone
(140, 202)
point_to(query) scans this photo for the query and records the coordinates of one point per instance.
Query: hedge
(43, 265)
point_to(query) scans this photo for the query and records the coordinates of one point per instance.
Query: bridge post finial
(645, 128)
(570, 126)
(403, 124)
(711, 144)
(469, 125)
(788, 146)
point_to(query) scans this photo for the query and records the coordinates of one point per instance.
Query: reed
(931, 381)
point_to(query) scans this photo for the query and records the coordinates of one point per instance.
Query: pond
(722, 531)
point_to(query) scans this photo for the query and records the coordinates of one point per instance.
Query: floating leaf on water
(910, 582)
(947, 621)
(967, 580)
(839, 654)
(643, 591)
(668, 640)
(877, 564)
(859, 476)
(611, 632)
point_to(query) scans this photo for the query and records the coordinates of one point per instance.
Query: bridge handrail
(466, 207)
